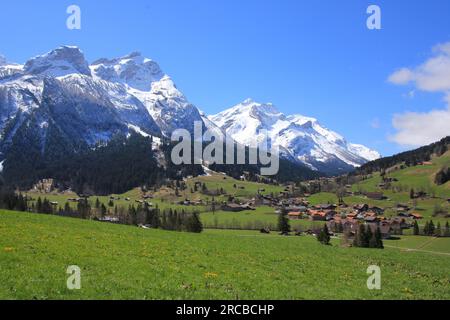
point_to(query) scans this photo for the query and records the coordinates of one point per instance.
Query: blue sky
(315, 58)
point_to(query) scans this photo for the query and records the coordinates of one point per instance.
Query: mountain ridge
(60, 93)
(302, 139)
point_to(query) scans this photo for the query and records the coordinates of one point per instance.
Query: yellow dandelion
(209, 275)
(8, 249)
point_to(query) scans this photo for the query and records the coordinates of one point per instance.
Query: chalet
(295, 215)
(385, 229)
(379, 211)
(319, 215)
(416, 216)
(352, 215)
(403, 206)
(361, 207)
(375, 195)
(404, 214)
(297, 208)
(370, 219)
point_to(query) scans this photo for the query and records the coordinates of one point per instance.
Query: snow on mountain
(300, 138)
(134, 70)
(146, 81)
(59, 93)
(59, 62)
(8, 69)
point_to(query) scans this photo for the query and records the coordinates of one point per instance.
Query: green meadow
(123, 262)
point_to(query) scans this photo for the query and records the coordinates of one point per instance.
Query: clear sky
(315, 58)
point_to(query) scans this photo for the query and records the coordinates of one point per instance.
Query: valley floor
(123, 262)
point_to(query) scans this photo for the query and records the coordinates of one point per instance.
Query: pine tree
(324, 236)
(438, 232)
(426, 228)
(431, 228)
(379, 238)
(39, 205)
(368, 236)
(416, 228)
(447, 230)
(361, 239)
(194, 224)
(283, 223)
(103, 210)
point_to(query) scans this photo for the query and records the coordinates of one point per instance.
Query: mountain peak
(133, 69)
(303, 138)
(59, 62)
(2, 60)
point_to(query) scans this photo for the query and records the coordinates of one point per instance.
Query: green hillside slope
(128, 262)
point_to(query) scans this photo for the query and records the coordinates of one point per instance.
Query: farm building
(295, 215)
(375, 195)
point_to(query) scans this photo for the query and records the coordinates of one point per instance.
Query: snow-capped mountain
(55, 94)
(144, 79)
(60, 100)
(300, 138)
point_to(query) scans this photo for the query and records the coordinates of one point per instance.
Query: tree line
(141, 215)
(409, 158)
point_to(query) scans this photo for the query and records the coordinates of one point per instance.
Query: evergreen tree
(379, 238)
(416, 228)
(283, 223)
(447, 230)
(103, 210)
(324, 236)
(431, 228)
(47, 207)
(194, 224)
(438, 232)
(368, 237)
(39, 205)
(426, 228)
(360, 237)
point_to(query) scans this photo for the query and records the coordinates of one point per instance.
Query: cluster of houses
(345, 218)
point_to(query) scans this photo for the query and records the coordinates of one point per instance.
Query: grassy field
(165, 198)
(262, 217)
(120, 262)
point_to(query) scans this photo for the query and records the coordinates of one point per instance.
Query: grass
(122, 262)
(262, 217)
(165, 198)
(438, 245)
